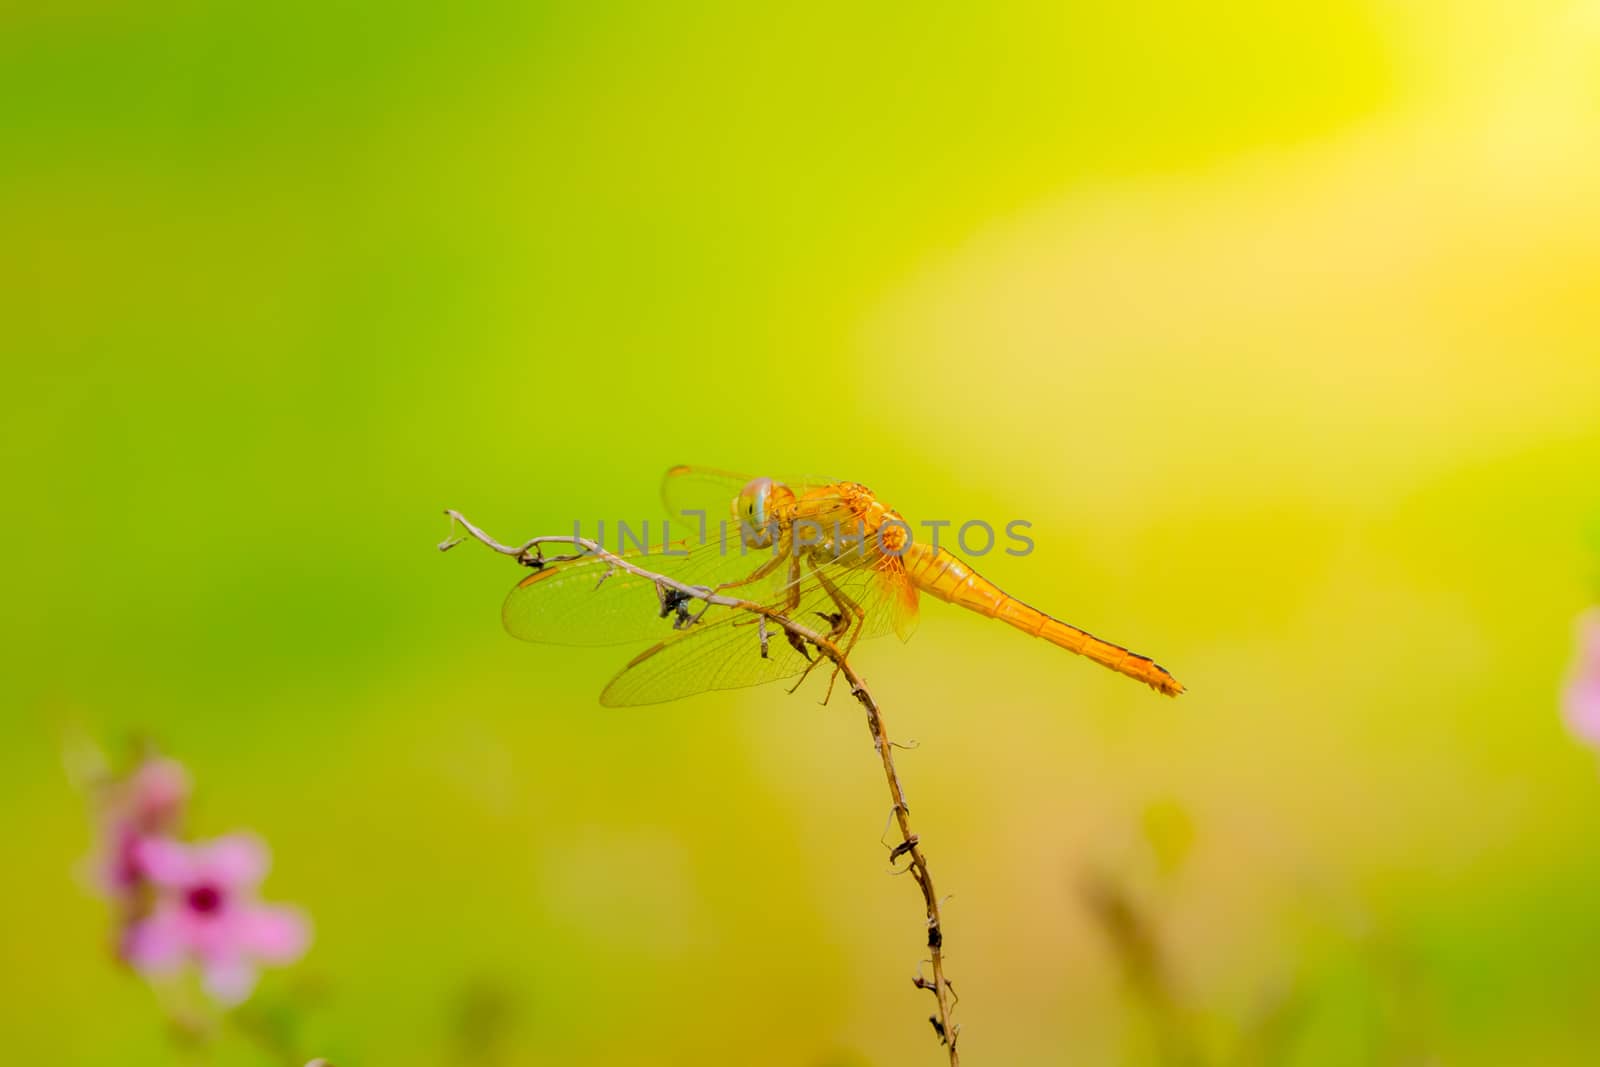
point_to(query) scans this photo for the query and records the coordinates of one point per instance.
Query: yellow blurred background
(1280, 323)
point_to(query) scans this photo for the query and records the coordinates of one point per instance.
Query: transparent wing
(686, 488)
(724, 651)
(588, 601)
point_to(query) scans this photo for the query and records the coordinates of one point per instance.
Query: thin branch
(531, 553)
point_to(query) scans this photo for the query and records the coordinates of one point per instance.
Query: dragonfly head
(754, 508)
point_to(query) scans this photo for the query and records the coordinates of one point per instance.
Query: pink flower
(149, 802)
(1581, 701)
(206, 911)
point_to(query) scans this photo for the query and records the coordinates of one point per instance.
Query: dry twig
(531, 554)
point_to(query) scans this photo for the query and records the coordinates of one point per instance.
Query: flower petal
(156, 793)
(158, 943)
(237, 861)
(274, 934)
(164, 861)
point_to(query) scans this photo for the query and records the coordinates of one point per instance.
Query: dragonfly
(828, 550)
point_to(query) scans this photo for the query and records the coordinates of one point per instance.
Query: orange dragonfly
(805, 549)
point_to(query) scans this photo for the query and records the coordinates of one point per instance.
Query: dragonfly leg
(849, 612)
(756, 575)
(792, 598)
(800, 645)
(844, 655)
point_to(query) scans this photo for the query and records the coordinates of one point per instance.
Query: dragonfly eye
(752, 503)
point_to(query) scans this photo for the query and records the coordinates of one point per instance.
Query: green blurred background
(1277, 321)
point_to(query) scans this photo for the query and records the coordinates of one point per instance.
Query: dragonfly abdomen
(943, 575)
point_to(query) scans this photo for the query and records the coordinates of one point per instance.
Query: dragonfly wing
(725, 653)
(589, 601)
(900, 597)
(701, 489)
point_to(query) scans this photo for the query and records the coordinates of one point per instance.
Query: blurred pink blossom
(1581, 701)
(206, 911)
(148, 802)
